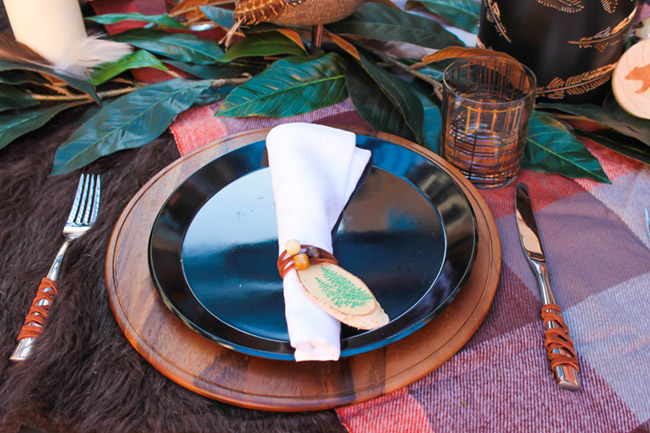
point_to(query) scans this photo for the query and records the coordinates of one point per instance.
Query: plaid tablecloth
(599, 257)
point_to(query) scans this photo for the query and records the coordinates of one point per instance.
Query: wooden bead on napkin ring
(339, 293)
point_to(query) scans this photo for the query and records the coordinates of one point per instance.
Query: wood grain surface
(209, 369)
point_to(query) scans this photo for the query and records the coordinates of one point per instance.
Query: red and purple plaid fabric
(599, 254)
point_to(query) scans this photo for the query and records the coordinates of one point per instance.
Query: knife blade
(560, 350)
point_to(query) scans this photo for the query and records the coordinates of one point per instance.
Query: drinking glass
(486, 108)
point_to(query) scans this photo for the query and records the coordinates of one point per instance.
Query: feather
(257, 11)
(609, 5)
(13, 51)
(89, 53)
(569, 6)
(82, 57)
(494, 16)
(578, 84)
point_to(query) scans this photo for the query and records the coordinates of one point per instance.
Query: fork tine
(77, 199)
(89, 200)
(83, 202)
(647, 220)
(96, 197)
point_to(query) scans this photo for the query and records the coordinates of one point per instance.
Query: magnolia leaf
(213, 94)
(12, 97)
(160, 20)
(373, 105)
(551, 148)
(347, 47)
(18, 77)
(432, 124)
(137, 59)
(221, 17)
(457, 53)
(384, 23)
(399, 94)
(13, 126)
(620, 143)
(294, 36)
(612, 116)
(188, 6)
(82, 85)
(260, 45)
(291, 86)
(212, 72)
(178, 46)
(130, 121)
(463, 14)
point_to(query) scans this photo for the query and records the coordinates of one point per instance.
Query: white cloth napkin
(314, 170)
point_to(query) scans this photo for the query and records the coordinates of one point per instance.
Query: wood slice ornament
(631, 83)
(338, 292)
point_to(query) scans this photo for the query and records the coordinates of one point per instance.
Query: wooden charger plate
(209, 369)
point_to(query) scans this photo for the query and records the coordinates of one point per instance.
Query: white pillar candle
(49, 27)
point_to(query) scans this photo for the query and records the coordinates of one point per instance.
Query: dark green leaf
(178, 46)
(612, 117)
(399, 94)
(263, 44)
(378, 21)
(17, 77)
(12, 97)
(291, 86)
(221, 17)
(463, 14)
(432, 124)
(551, 148)
(619, 143)
(13, 126)
(161, 20)
(133, 120)
(82, 85)
(212, 72)
(137, 59)
(373, 105)
(213, 94)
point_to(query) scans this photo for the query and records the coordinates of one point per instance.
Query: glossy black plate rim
(416, 317)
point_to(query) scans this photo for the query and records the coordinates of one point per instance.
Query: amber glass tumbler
(486, 108)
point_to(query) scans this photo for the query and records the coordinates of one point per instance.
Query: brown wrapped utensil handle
(35, 319)
(559, 346)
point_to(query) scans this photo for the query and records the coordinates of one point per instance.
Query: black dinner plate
(408, 232)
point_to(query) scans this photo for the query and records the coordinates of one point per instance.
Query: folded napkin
(314, 170)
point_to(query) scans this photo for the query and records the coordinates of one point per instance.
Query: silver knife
(565, 372)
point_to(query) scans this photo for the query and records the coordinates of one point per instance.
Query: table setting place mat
(205, 364)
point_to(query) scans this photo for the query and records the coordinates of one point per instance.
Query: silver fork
(82, 216)
(647, 220)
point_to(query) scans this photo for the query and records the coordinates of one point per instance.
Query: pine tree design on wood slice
(342, 295)
(568, 6)
(341, 291)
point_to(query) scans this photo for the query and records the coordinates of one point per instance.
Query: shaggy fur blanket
(83, 375)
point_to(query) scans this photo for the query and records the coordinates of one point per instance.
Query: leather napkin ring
(558, 338)
(313, 255)
(37, 316)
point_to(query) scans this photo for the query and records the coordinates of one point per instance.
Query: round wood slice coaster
(631, 81)
(209, 369)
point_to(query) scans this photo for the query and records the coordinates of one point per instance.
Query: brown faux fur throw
(83, 375)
